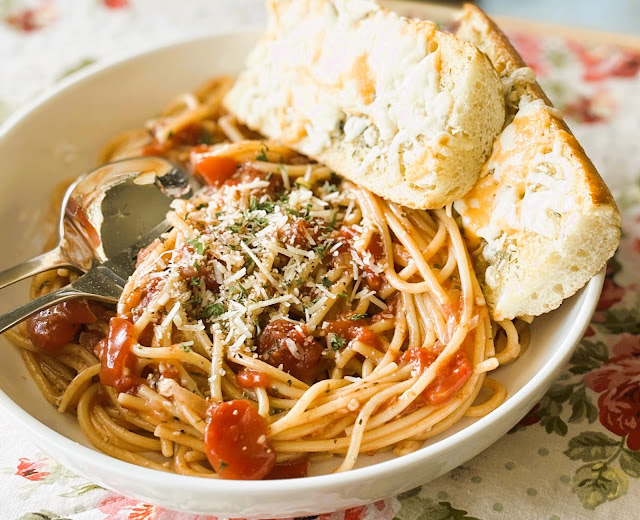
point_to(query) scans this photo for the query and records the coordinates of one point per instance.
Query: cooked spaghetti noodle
(286, 305)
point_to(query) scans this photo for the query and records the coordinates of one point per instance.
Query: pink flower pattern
(32, 469)
(30, 19)
(618, 383)
(116, 4)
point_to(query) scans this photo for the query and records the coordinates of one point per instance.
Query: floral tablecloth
(575, 455)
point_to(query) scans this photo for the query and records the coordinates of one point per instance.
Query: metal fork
(104, 282)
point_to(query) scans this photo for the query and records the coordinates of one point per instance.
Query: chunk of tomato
(445, 385)
(248, 378)
(448, 381)
(278, 342)
(119, 363)
(215, 170)
(235, 441)
(52, 328)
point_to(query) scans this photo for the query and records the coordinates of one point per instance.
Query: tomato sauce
(297, 468)
(79, 215)
(376, 247)
(345, 236)
(192, 134)
(247, 173)
(248, 378)
(169, 370)
(119, 363)
(235, 441)
(374, 281)
(138, 300)
(447, 382)
(298, 233)
(52, 328)
(153, 149)
(145, 251)
(353, 330)
(388, 313)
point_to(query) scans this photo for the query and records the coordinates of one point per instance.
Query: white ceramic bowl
(59, 136)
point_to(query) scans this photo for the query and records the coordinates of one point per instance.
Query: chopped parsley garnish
(196, 265)
(205, 137)
(195, 281)
(356, 317)
(337, 342)
(334, 220)
(202, 206)
(307, 212)
(238, 287)
(283, 197)
(331, 225)
(326, 282)
(185, 347)
(321, 250)
(262, 156)
(198, 246)
(258, 328)
(267, 206)
(342, 295)
(329, 188)
(214, 310)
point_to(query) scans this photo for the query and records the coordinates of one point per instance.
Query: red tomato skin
(52, 328)
(118, 361)
(271, 347)
(447, 382)
(232, 426)
(248, 378)
(376, 247)
(445, 385)
(154, 149)
(421, 358)
(215, 170)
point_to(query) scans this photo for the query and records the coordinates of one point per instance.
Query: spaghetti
(287, 315)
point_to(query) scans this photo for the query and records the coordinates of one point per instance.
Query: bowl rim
(122, 469)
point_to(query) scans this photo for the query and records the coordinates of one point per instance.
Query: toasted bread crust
(527, 260)
(403, 109)
(476, 27)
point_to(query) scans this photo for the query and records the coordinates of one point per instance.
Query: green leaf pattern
(599, 482)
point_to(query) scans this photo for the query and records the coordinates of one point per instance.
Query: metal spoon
(106, 211)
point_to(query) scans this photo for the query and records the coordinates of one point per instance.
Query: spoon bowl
(106, 211)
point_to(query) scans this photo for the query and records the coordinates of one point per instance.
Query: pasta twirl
(287, 305)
